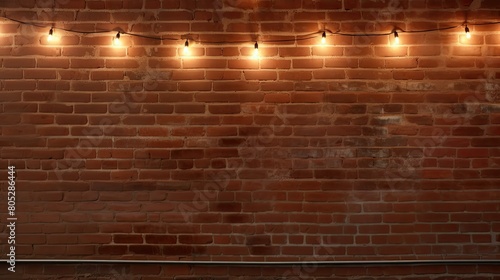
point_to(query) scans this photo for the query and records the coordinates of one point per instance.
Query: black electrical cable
(296, 39)
(429, 30)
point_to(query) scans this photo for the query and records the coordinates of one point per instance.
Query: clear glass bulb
(116, 40)
(396, 38)
(256, 50)
(186, 47)
(467, 32)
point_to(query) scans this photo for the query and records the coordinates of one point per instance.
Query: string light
(51, 35)
(256, 50)
(116, 39)
(396, 38)
(467, 32)
(303, 37)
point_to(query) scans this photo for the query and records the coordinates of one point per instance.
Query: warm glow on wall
(186, 48)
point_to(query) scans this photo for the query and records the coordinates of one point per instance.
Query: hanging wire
(430, 30)
(485, 23)
(296, 38)
(338, 32)
(51, 26)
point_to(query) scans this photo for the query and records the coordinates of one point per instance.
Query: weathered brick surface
(351, 151)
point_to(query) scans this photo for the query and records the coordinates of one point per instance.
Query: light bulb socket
(256, 46)
(396, 35)
(51, 31)
(186, 44)
(118, 36)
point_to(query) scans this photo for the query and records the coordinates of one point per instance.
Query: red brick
(188, 75)
(112, 249)
(291, 52)
(307, 63)
(195, 86)
(260, 75)
(19, 63)
(490, 173)
(205, 63)
(390, 52)
(468, 131)
(39, 74)
(275, 64)
(224, 109)
(189, 108)
(145, 249)
(127, 238)
(139, 120)
(223, 75)
(328, 74)
(295, 75)
(235, 86)
(165, 63)
(408, 75)
(368, 74)
(369, 62)
(243, 64)
(401, 63)
(423, 51)
(19, 85)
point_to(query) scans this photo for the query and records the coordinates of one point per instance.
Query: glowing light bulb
(323, 38)
(467, 32)
(396, 38)
(256, 50)
(51, 35)
(116, 39)
(186, 47)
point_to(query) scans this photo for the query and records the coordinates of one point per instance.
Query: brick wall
(356, 150)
